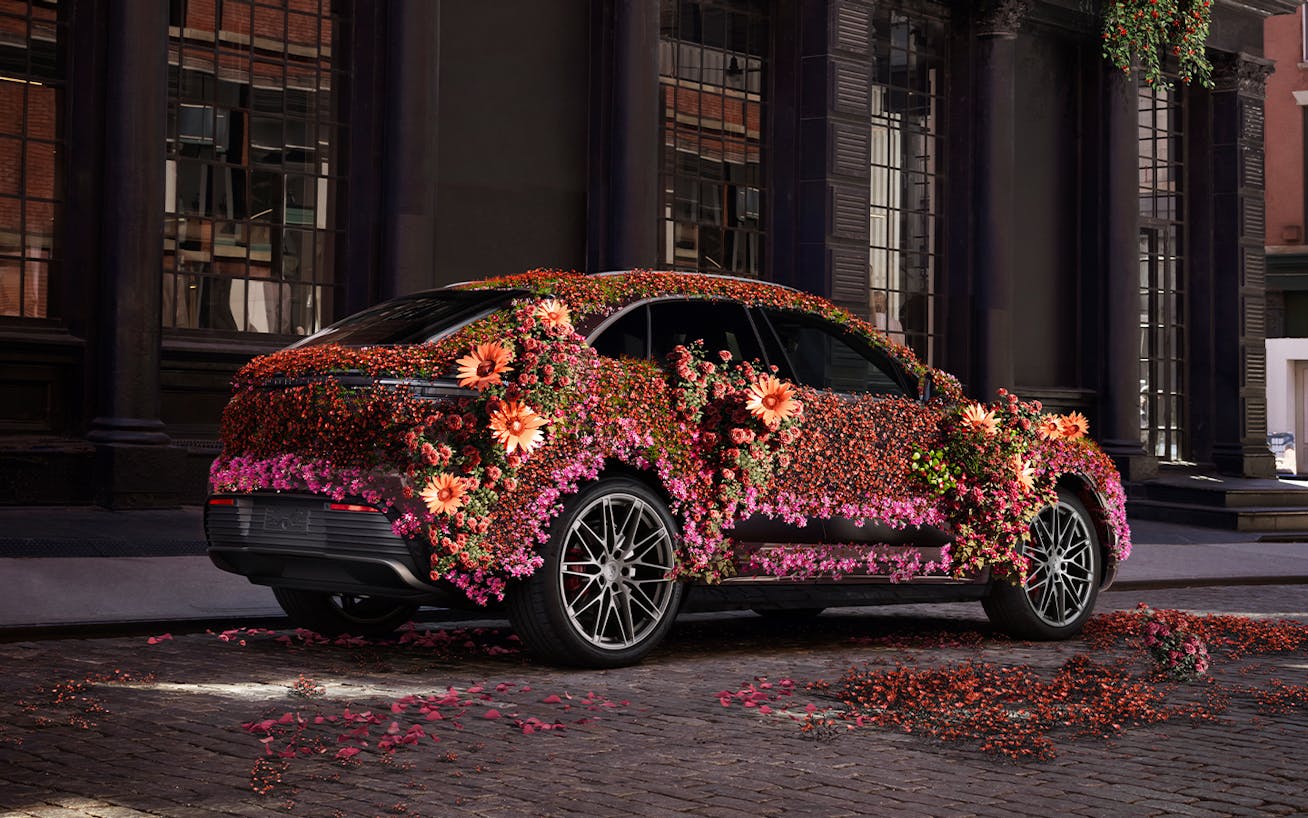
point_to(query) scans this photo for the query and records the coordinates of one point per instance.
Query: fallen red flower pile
(1012, 710)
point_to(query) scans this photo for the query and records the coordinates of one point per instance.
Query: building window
(1303, 33)
(32, 38)
(254, 163)
(906, 138)
(713, 57)
(1162, 274)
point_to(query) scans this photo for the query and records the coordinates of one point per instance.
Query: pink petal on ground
(491, 714)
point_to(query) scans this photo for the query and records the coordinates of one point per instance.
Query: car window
(720, 324)
(412, 319)
(627, 336)
(824, 356)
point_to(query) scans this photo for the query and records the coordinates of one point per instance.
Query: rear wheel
(1063, 581)
(337, 614)
(603, 597)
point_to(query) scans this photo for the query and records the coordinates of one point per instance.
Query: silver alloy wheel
(614, 572)
(1061, 579)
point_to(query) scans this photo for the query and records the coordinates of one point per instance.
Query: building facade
(187, 184)
(1286, 38)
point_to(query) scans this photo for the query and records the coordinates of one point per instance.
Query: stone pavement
(130, 726)
(66, 568)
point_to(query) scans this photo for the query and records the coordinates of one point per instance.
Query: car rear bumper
(315, 543)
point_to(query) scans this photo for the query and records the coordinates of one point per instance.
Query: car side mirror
(928, 387)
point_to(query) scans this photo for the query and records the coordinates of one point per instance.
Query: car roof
(514, 282)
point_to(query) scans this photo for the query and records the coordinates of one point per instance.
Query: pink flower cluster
(1177, 653)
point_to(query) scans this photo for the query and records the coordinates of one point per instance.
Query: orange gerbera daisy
(553, 314)
(1049, 427)
(444, 494)
(1025, 474)
(482, 367)
(516, 426)
(1074, 426)
(978, 418)
(771, 399)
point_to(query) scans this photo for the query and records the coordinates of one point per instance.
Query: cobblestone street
(458, 723)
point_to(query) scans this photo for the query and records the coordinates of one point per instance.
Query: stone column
(408, 244)
(1239, 267)
(1119, 409)
(995, 27)
(135, 465)
(633, 221)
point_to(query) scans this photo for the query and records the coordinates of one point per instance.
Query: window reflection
(713, 57)
(254, 155)
(903, 221)
(1162, 274)
(31, 153)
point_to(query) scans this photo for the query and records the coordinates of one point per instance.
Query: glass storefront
(713, 74)
(32, 81)
(1162, 274)
(906, 141)
(254, 164)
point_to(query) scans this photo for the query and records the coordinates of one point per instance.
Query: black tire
(789, 614)
(599, 600)
(1063, 582)
(338, 614)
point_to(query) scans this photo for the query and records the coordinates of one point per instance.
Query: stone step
(1278, 519)
(1222, 493)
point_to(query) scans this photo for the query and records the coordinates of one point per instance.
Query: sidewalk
(68, 567)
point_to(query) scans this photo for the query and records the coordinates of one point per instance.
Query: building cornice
(1000, 18)
(1244, 73)
(1266, 8)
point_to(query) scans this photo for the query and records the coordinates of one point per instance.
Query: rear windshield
(412, 319)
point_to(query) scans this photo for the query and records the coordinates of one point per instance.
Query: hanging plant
(1137, 32)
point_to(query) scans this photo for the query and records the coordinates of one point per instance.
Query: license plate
(287, 520)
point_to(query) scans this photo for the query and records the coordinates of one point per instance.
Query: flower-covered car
(597, 453)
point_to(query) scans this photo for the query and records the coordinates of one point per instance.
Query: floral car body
(597, 452)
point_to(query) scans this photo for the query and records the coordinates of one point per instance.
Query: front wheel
(337, 614)
(603, 597)
(1062, 582)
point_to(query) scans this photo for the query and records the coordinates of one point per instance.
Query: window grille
(254, 165)
(1163, 338)
(32, 81)
(906, 174)
(713, 57)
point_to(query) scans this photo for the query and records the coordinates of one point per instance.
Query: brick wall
(29, 184)
(1283, 41)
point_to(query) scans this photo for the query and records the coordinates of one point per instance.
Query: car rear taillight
(352, 507)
